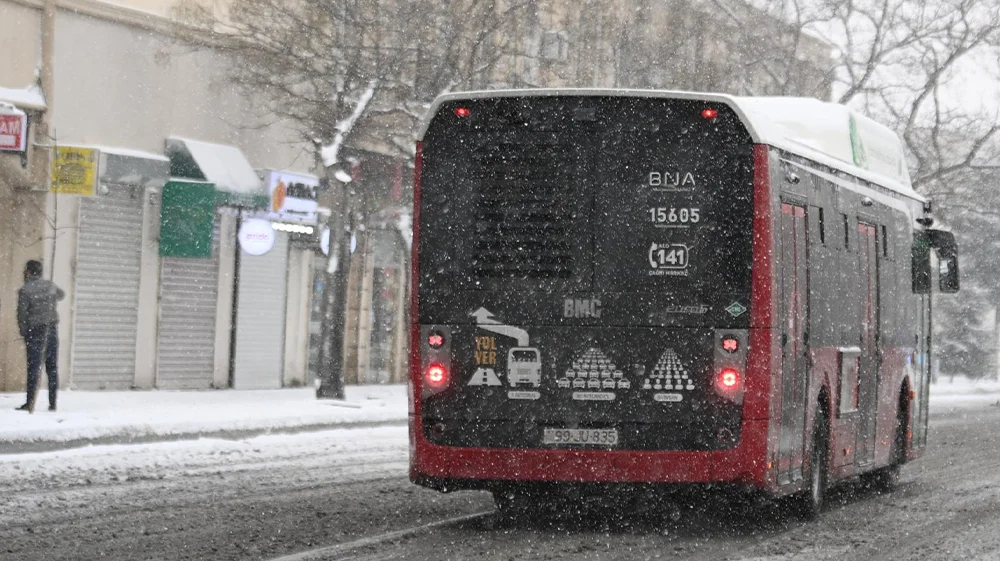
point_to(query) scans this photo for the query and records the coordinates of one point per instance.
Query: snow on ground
(120, 416)
(960, 391)
(122, 462)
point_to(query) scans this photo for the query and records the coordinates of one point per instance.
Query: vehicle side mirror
(948, 275)
(947, 251)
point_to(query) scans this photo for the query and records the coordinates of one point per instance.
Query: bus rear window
(587, 193)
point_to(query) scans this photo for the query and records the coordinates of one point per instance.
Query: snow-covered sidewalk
(137, 416)
(143, 416)
(959, 391)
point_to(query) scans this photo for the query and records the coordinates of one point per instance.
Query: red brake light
(462, 111)
(709, 113)
(729, 379)
(435, 340)
(437, 375)
(730, 344)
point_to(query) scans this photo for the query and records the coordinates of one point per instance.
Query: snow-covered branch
(331, 152)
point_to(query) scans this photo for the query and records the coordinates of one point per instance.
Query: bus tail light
(435, 373)
(435, 340)
(730, 344)
(730, 364)
(436, 376)
(728, 380)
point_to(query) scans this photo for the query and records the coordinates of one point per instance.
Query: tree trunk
(331, 356)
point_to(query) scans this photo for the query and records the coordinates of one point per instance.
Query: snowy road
(276, 496)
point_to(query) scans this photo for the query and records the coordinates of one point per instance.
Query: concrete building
(151, 118)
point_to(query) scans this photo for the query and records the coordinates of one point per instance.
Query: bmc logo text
(576, 308)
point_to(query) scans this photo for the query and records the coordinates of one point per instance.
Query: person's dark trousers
(42, 343)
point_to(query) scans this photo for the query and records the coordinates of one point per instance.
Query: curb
(38, 446)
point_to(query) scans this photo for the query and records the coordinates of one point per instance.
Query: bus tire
(811, 501)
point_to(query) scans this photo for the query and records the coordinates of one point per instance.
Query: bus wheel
(811, 502)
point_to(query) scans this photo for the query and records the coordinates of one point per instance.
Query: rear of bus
(582, 292)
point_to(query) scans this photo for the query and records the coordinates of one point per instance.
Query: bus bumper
(434, 466)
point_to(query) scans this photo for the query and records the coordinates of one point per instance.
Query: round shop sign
(256, 236)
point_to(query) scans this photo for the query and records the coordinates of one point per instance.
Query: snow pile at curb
(84, 416)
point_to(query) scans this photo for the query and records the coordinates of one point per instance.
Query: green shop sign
(187, 217)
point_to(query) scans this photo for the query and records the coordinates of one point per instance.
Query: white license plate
(596, 437)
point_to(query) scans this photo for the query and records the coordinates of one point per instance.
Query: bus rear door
(868, 379)
(794, 322)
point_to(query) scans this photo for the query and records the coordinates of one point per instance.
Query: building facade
(161, 291)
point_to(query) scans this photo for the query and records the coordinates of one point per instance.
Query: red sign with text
(13, 130)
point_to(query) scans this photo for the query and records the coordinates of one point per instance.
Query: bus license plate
(598, 437)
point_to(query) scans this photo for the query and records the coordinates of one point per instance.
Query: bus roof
(827, 133)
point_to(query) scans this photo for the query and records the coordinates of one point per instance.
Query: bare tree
(352, 75)
(917, 66)
(896, 59)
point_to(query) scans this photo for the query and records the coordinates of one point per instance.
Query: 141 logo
(668, 259)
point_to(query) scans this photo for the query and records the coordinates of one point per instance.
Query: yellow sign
(486, 351)
(74, 171)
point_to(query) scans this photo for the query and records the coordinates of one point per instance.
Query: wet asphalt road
(247, 502)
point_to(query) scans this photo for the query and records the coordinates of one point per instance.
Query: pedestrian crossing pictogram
(485, 377)
(669, 374)
(593, 370)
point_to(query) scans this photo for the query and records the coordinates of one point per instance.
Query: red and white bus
(622, 289)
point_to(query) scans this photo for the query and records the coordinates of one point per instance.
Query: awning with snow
(125, 166)
(220, 164)
(24, 98)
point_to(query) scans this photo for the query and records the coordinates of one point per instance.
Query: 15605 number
(671, 215)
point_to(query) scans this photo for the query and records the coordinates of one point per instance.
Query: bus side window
(818, 226)
(847, 232)
(850, 370)
(822, 226)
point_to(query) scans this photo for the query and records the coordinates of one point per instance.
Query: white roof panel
(828, 133)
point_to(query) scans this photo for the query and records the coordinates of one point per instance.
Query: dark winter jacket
(36, 304)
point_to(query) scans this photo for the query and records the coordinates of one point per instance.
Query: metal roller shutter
(188, 302)
(108, 264)
(260, 317)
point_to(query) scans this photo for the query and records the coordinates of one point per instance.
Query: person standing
(38, 320)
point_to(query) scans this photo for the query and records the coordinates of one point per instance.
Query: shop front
(230, 302)
(113, 208)
(275, 274)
